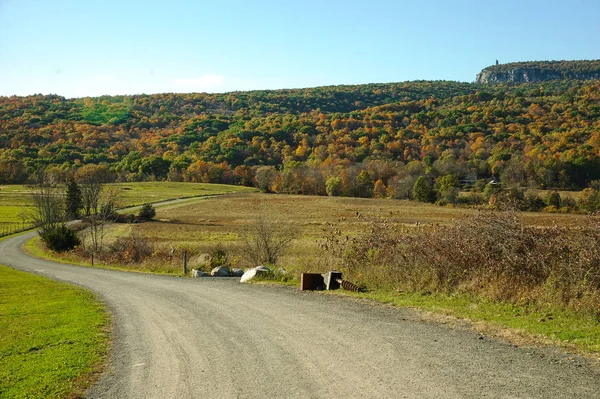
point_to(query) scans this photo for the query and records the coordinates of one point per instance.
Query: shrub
(470, 199)
(267, 239)
(132, 249)
(218, 257)
(147, 212)
(492, 254)
(126, 218)
(59, 238)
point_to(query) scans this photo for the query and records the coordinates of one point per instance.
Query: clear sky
(89, 48)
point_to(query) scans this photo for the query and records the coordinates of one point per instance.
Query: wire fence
(7, 229)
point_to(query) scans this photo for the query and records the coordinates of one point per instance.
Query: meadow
(203, 225)
(54, 337)
(16, 207)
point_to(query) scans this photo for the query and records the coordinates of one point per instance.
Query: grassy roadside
(520, 324)
(34, 247)
(54, 337)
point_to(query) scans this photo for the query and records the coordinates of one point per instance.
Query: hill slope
(543, 135)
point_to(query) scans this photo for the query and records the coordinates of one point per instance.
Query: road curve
(216, 338)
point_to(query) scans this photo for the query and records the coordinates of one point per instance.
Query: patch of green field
(16, 205)
(14, 213)
(54, 337)
(14, 194)
(132, 194)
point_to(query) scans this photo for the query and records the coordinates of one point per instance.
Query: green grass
(132, 194)
(15, 201)
(15, 205)
(54, 337)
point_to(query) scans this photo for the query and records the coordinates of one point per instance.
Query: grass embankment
(54, 337)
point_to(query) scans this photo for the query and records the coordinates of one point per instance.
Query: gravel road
(216, 338)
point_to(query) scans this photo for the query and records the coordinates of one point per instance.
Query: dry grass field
(202, 226)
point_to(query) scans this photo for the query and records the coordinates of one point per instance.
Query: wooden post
(185, 259)
(92, 259)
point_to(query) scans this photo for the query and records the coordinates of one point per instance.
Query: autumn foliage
(366, 140)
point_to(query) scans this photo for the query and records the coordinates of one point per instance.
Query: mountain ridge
(539, 71)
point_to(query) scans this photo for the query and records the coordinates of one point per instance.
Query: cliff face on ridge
(531, 72)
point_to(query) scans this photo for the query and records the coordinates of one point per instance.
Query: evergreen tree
(423, 190)
(73, 199)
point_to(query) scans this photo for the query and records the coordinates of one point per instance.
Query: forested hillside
(345, 140)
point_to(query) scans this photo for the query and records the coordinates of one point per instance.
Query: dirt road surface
(215, 338)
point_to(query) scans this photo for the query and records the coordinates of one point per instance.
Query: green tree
(147, 212)
(333, 186)
(364, 185)
(589, 200)
(553, 199)
(423, 190)
(73, 199)
(447, 187)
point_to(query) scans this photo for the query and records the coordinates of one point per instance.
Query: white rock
(253, 272)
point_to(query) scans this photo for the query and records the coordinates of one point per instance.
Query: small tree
(333, 186)
(364, 185)
(265, 177)
(380, 190)
(147, 212)
(553, 199)
(448, 188)
(423, 190)
(49, 214)
(589, 200)
(73, 199)
(103, 213)
(267, 239)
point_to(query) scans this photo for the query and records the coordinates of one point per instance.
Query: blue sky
(90, 48)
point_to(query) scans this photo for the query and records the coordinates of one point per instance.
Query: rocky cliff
(527, 72)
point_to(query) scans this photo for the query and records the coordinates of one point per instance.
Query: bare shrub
(267, 239)
(131, 249)
(491, 254)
